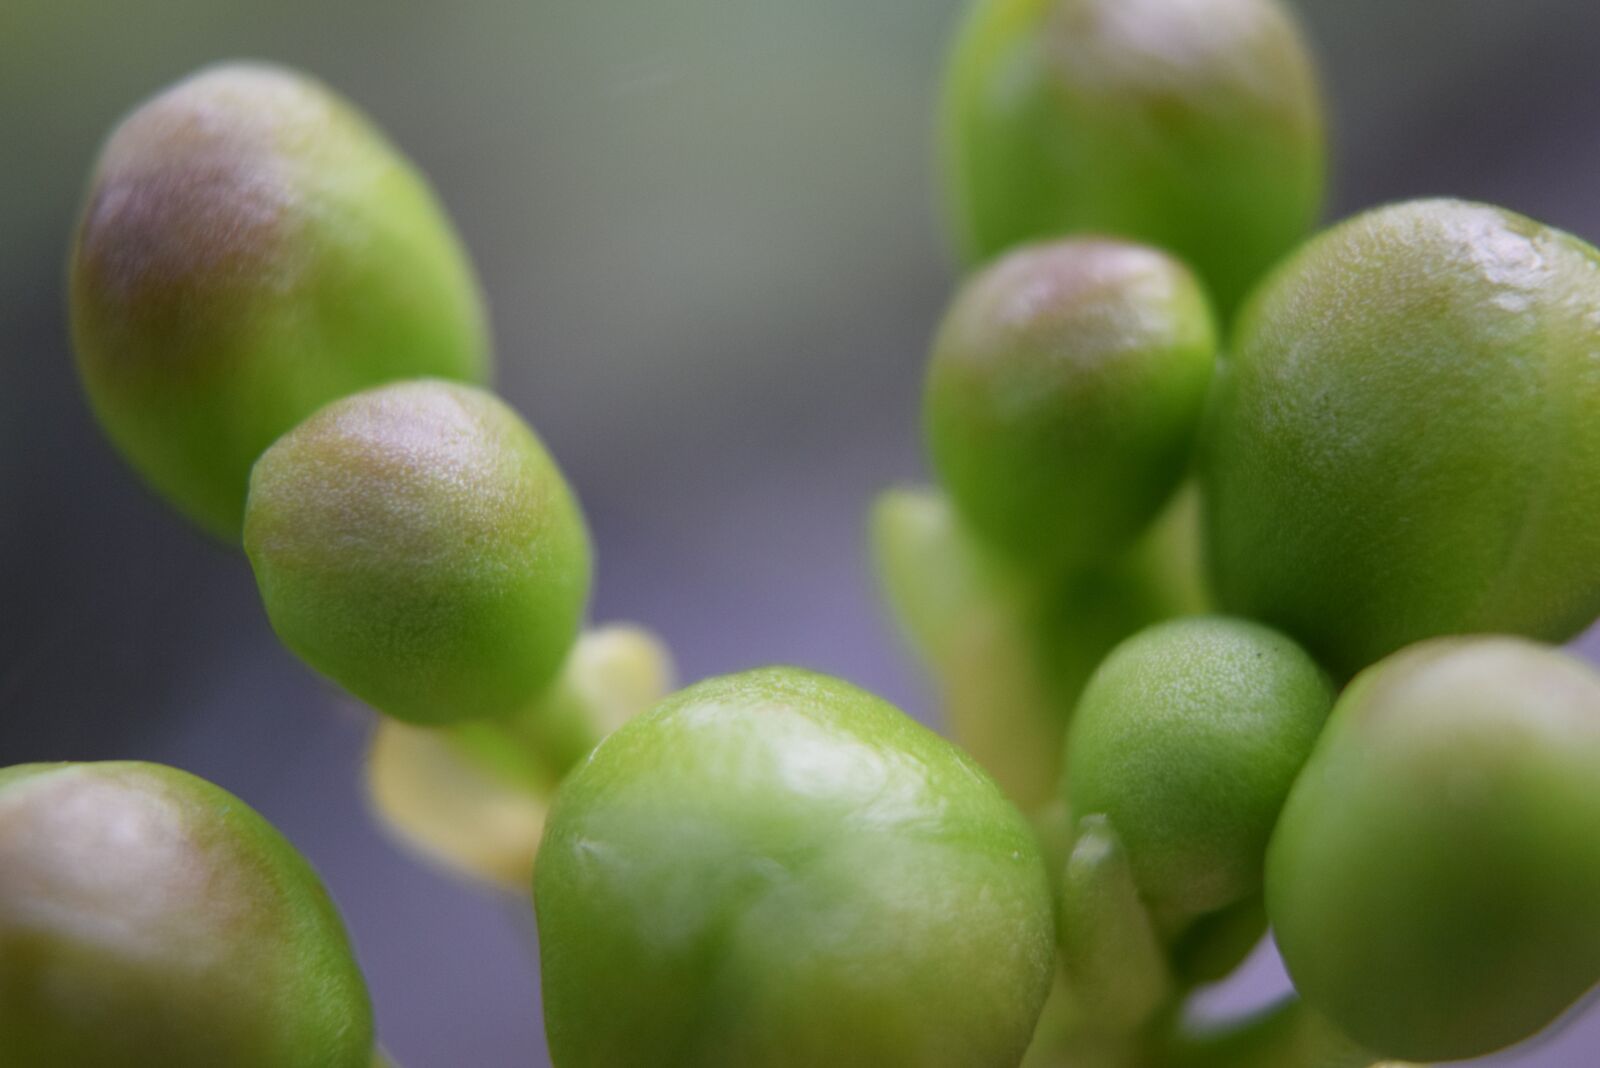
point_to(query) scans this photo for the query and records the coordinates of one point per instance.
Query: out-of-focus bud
(1192, 125)
(1434, 882)
(251, 248)
(150, 918)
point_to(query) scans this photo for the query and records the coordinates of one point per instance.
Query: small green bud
(1065, 388)
(777, 869)
(251, 248)
(1192, 125)
(1434, 882)
(1404, 440)
(150, 918)
(417, 544)
(1188, 738)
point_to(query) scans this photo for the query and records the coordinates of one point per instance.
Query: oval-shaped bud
(1065, 388)
(251, 248)
(776, 868)
(417, 544)
(1188, 738)
(1403, 442)
(148, 917)
(1193, 125)
(1434, 882)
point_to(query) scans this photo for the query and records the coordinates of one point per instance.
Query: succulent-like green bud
(250, 249)
(1192, 125)
(1435, 879)
(777, 869)
(1404, 440)
(1065, 388)
(148, 917)
(417, 544)
(1188, 739)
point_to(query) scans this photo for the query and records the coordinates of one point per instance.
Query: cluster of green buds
(1233, 586)
(1240, 554)
(278, 327)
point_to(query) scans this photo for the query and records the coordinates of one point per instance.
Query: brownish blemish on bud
(190, 214)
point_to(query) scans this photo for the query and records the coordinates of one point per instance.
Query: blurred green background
(708, 235)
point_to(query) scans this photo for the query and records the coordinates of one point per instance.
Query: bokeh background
(707, 231)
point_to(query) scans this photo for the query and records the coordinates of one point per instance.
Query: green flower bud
(1064, 392)
(1188, 739)
(150, 918)
(1404, 440)
(1192, 125)
(1435, 879)
(416, 544)
(251, 248)
(777, 869)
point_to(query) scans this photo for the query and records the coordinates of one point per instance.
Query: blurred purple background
(707, 233)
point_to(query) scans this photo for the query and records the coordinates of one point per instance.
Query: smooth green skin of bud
(250, 249)
(1066, 386)
(1192, 125)
(417, 544)
(1403, 443)
(1188, 738)
(1435, 879)
(778, 869)
(148, 917)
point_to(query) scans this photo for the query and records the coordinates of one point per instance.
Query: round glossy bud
(1404, 440)
(150, 918)
(1435, 879)
(250, 249)
(1192, 125)
(1065, 388)
(1188, 739)
(417, 544)
(777, 869)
